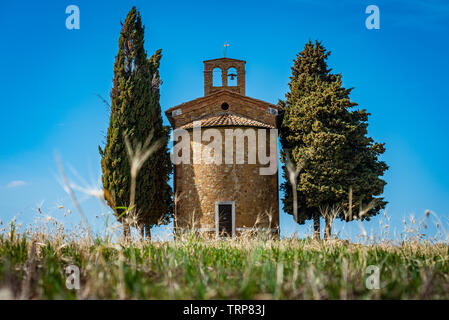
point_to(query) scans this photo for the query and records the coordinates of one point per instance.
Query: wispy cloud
(16, 183)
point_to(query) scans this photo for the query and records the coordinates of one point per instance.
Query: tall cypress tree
(322, 132)
(135, 114)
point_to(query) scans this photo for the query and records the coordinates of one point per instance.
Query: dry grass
(32, 266)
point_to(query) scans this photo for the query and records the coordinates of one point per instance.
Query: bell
(232, 75)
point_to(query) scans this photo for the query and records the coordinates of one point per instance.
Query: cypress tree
(135, 115)
(324, 134)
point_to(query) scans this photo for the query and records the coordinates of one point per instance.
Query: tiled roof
(228, 119)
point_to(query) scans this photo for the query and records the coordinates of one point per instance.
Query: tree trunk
(142, 232)
(295, 203)
(125, 231)
(316, 226)
(328, 228)
(147, 231)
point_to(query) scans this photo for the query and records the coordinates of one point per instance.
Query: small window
(272, 111)
(224, 106)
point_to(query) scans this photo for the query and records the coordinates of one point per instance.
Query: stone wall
(200, 186)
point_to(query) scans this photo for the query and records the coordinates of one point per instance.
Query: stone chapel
(226, 199)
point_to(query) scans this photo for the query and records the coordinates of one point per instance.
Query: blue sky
(50, 77)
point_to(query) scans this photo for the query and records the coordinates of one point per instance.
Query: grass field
(32, 266)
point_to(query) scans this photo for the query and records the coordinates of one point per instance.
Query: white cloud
(16, 183)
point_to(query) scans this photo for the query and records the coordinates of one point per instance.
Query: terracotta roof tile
(228, 119)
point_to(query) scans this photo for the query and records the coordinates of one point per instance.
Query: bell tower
(224, 65)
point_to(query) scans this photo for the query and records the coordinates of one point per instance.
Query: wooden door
(225, 220)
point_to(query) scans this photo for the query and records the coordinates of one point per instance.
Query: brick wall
(224, 64)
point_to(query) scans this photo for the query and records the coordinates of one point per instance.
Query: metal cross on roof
(226, 45)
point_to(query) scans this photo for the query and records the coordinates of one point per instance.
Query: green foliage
(135, 112)
(237, 269)
(321, 130)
